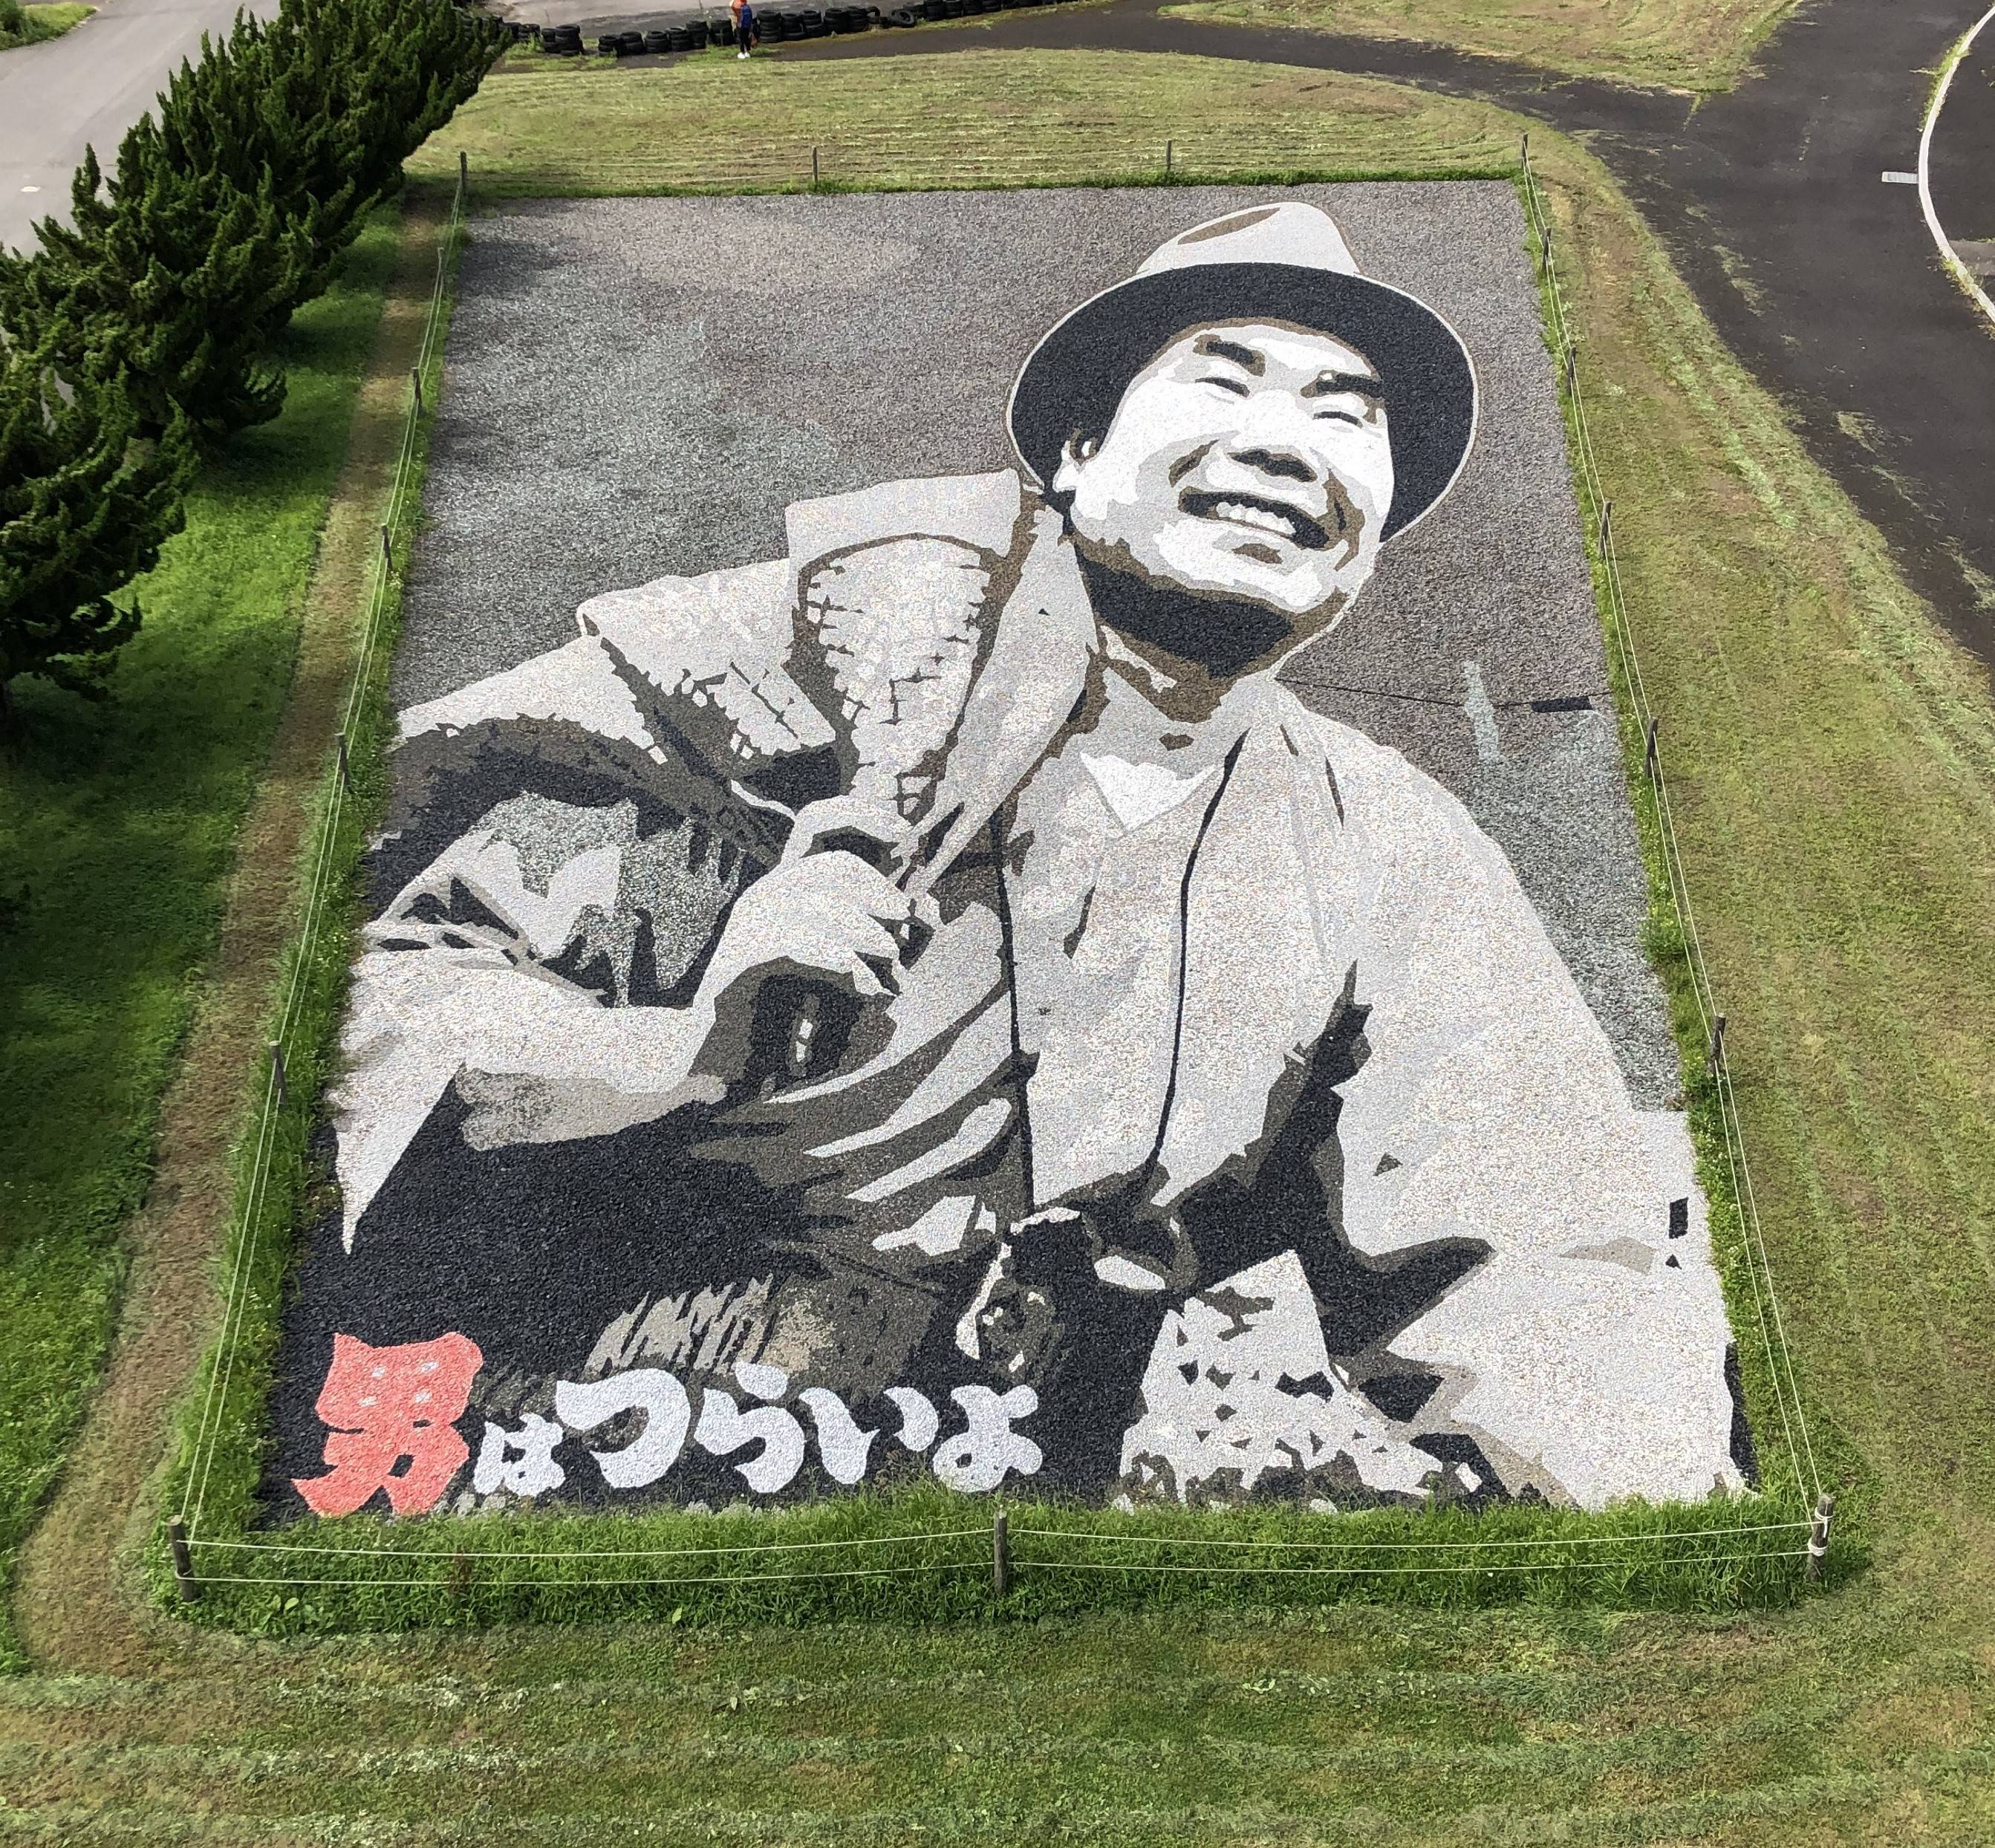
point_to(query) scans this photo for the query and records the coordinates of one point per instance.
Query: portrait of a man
(935, 1003)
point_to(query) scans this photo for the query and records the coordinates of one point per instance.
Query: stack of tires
(561, 41)
(779, 28)
(673, 40)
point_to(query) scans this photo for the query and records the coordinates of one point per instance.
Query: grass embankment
(30, 24)
(546, 125)
(1699, 45)
(118, 824)
(1833, 762)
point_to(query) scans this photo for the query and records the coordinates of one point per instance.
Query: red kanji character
(385, 1404)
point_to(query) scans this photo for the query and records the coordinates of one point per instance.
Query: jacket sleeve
(554, 874)
(1586, 1353)
(568, 836)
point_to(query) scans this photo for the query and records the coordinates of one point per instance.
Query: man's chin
(1229, 614)
(1287, 588)
(1222, 577)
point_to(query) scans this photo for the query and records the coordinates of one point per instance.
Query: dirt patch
(78, 1603)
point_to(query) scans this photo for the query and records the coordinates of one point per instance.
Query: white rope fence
(1464, 1556)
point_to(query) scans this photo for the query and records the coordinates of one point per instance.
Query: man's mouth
(1279, 518)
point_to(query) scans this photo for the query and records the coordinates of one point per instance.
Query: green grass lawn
(1833, 760)
(30, 24)
(117, 831)
(542, 124)
(1700, 45)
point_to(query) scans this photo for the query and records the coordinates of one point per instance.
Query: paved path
(1822, 278)
(85, 88)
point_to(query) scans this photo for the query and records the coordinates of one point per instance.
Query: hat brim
(1076, 375)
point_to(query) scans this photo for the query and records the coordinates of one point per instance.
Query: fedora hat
(1286, 262)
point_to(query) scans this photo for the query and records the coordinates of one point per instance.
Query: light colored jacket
(572, 832)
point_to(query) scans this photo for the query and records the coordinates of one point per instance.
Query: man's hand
(824, 916)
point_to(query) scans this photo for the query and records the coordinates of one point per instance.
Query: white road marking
(1961, 272)
(1898, 179)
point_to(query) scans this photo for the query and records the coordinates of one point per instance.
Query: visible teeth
(1256, 516)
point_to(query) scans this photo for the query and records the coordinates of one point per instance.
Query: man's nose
(1270, 440)
(1280, 460)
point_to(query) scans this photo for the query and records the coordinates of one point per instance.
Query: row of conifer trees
(144, 333)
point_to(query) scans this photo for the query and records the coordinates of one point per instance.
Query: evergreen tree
(233, 206)
(186, 275)
(386, 75)
(150, 319)
(85, 504)
(329, 98)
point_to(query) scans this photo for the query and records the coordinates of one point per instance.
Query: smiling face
(1246, 463)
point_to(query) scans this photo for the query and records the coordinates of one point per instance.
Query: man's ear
(1074, 452)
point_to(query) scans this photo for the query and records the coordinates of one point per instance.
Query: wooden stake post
(190, 1587)
(1825, 1513)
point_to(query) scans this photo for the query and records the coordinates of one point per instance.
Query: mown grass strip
(118, 828)
(31, 24)
(543, 126)
(1774, 1401)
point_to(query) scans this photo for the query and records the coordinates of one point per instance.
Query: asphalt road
(85, 88)
(1823, 279)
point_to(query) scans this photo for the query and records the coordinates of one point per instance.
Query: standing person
(744, 27)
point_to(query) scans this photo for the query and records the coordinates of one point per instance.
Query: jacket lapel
(1262, 973)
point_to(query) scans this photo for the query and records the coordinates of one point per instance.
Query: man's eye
(1343, 416)
(1231, 384)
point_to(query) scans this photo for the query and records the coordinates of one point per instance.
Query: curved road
(1823, 278)
(85, 88)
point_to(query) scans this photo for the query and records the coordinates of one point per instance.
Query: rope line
(766, 1546)
(1037, 1565)
(1392, 1572)
(557, 1584)
(1408, 1546)
(1053, 1534)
